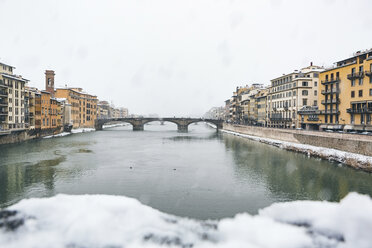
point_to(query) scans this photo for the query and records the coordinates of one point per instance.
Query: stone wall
(17, 136)
(361, 144)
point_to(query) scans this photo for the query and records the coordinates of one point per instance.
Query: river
(200, 174)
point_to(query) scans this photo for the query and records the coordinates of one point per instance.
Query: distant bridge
(139, 123)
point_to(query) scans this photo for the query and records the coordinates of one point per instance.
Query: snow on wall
(118, 221)
(357, 161)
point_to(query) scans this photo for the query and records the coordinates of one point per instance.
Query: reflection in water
(292, 176)
(200, 174)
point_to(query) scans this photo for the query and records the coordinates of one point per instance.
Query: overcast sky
(176, 57)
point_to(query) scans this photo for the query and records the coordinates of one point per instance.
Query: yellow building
(345, 102)
(261, 106)
(83, 106)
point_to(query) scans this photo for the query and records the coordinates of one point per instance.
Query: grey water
(200, 174)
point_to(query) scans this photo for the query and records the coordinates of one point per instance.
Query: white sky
(176, 57)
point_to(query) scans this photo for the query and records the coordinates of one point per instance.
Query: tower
(49, 81)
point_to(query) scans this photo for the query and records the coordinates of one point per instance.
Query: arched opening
(160, 125)
(197, 126)
(122, 124)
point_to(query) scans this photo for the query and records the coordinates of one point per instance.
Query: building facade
(291, 92)
(12, 99)
(346, 96)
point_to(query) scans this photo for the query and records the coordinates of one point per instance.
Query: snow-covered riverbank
(118, 221)
(354, 160)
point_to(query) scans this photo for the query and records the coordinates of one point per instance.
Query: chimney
(49, 81)
(311, 63)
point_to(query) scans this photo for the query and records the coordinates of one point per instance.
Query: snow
(114, 125)
(82, 130)
(353, 159)
(118, 221)
(57, 135)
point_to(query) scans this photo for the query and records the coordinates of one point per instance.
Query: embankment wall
(360, 144)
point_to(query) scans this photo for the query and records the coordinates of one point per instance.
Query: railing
(3, 112)
(313, 119)
(3, 103)
(331, 81)
(359, 110)
(334, 100)
(355, 75)
(280, 119)
(4, 93)
(324, 92)
(368, 73)
(329, 112)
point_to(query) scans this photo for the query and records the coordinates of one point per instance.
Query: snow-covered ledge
(354, 160)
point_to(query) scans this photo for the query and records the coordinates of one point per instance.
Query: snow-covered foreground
(357, 161)
(117, 221)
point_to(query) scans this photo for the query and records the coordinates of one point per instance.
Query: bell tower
(49, 81)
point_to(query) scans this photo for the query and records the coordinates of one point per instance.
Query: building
(261, 107)
(291, 92)
(217, 113)
(30, 107)
(12, 99)
(346, 96)
(51, 111)
(82, 107)
(103, 110)
(123, 112)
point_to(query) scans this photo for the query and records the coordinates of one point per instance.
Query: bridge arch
(138, 123)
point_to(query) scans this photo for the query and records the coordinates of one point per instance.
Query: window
(360, 81)
(352, 94)
(337, 75)
(360, 93)
(304, 102)
(305, 83)
(315, 92)
(315, 103)
(352, 82)
(315, 83)
(305, 92)
(370, 92)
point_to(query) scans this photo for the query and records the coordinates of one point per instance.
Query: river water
(200, 174)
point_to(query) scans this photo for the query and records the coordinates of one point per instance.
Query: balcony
(335, 91)
(280, 119)
(368, 73)
(330, 112)
(2, 85)
(331, 81)
(4, 93)
(3, 104)
(3, 112)
(313, 119)
(355, 75)
(359, 110)
(329, 101)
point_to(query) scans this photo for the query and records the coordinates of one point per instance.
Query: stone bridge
(139, 123)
